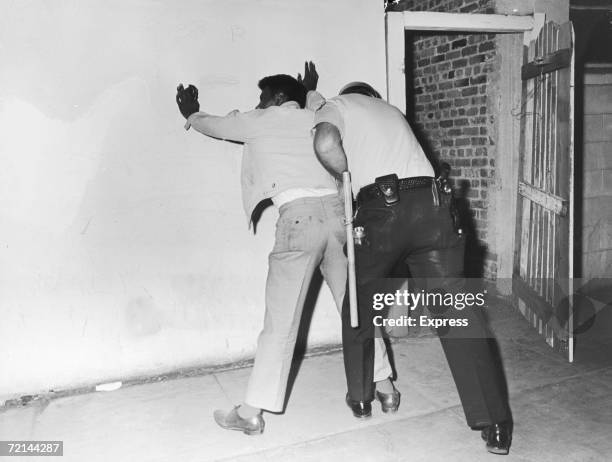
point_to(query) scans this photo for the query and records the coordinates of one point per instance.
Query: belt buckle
(388, 185)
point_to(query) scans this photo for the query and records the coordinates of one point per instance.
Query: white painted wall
(124, 249)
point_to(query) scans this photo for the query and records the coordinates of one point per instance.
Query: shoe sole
(390, 410)
(500, 452)
(243, 430)
(387, 410)
(494, 450)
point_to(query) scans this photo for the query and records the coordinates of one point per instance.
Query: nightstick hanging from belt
(350, 247)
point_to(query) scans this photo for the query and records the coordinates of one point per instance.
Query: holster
(389, 187)
(444, 196)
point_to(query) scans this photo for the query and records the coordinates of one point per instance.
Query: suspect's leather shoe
(389, 402)
(231, 420)
(498, 438)
(361, 409)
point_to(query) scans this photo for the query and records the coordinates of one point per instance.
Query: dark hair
(289, 86)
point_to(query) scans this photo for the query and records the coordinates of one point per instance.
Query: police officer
(406, 217)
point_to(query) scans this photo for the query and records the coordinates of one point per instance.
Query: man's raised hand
(187, 100)
(310, 78)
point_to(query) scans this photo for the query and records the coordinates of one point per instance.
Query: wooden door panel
(543, 262)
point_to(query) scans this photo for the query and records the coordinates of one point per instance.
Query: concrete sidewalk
(562, 411)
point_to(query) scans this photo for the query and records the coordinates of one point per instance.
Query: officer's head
(280, 88)
(360, 88)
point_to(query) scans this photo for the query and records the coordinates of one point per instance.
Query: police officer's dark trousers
(420, 232)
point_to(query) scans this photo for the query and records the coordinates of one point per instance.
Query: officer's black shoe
(361, 409)
(498, 438)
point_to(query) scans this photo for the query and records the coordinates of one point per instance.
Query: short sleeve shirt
(376, 138)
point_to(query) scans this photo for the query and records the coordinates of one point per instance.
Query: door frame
(511, 29)
(399, 21)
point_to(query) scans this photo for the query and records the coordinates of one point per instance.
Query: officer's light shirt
(376, 138)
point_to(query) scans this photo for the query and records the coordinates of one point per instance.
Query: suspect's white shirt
(299, 193)
(278, 159)
(314, 101)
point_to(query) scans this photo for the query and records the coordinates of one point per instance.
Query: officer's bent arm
(329, 149)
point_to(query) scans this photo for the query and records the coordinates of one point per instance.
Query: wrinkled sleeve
(330, 112)
(236, 126)
(314, 100)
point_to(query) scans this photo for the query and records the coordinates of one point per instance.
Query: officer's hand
(311, 78)
(187, 100)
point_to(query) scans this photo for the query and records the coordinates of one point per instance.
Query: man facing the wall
(279, 163)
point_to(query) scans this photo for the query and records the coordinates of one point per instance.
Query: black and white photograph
(306, 230)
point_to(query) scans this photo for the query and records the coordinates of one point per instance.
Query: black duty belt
(375, 190)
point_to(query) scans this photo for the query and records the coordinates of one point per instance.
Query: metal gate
(543, 264)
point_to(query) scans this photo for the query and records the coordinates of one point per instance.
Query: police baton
(350, 246)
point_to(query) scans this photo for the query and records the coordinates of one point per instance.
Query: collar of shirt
(292, 104)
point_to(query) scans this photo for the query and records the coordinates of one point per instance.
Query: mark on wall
(84, 230)
(238, 33)
(219, 79)
(142, 317)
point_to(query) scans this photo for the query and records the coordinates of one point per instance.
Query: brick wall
(448, 84)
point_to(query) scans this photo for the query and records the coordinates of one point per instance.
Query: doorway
(484, 136)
